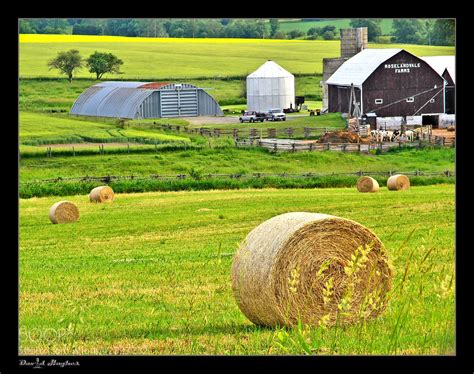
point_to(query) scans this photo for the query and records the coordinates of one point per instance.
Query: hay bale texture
(367, 184)
(63, 212)
(398, 182)
(102, 194)
(284, 269)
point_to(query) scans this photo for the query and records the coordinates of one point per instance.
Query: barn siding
(387, 84)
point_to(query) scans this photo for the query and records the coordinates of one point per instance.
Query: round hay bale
(102, 194)
(63, 212)
(298, 266)
(398, 182)
(367, 184)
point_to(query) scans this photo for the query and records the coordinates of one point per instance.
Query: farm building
(138, 100)
(270, 86)
(446, 67)
(387, 82)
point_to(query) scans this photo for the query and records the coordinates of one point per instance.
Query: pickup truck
(276, 115)
(252, 117)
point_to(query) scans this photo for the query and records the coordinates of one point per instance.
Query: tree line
(414, 31)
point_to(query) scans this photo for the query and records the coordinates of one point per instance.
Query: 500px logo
(46, 334)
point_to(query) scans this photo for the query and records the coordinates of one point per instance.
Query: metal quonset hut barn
(138, 100)
(387, 82)
(270, 86)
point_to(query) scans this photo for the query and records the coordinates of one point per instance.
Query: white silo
(270, 86)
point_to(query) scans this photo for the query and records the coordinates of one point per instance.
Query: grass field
(150, 273)
(37, 128)
(189, 58)
(230, 160)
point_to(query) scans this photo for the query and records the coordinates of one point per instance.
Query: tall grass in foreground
(196, 183)
(381, 336)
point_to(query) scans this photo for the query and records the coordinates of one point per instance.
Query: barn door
(179, 103)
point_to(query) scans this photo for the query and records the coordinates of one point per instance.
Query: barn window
(378, 101)
(410, 100)
(432, 101)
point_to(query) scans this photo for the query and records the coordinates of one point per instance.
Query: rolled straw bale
(63, 212)
(282, 270)
(102, 194)
(398, 182)
(367, 184)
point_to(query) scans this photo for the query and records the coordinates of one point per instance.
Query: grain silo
(270, 86)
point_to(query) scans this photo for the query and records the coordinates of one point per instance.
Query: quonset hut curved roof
(119, 99)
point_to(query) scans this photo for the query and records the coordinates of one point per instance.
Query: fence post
(310, 147)
(327, 146)
(128, 147)
(293, 147)
(73, 152)
(358, 147)
(419, 144)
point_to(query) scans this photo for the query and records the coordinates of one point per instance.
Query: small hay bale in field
(398, 182)
(367, 184)
(63, 212)
(304, 265)
(102, 194)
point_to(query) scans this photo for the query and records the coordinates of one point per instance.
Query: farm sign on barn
(403, 67)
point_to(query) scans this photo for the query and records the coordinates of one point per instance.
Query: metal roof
(442, 63)
(358, 68)
(118, 99)
(270, 69)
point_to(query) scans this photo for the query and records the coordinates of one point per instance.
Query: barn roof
(270, 69)
(359, 67)
(442, 63)
(117, 99)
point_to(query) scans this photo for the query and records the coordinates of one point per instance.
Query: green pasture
(149, 274)
(231, 160)
(149, 58)
(38, 128)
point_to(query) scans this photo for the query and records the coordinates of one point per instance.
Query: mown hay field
(150, 274)
(161, 58)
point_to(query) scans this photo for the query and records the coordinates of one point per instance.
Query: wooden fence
(285, 145)
(252, 133)
(109, 178)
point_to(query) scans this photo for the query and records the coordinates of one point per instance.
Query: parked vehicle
(252, 116)
(276, 114)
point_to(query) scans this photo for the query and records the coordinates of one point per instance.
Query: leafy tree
(101, 63)
(428, 26)
(407, 31)
(26, 27)
(280, 35)
(444, 32)
(67, 62)
(314, 31)
(123, 27)
(373, 27)
(274, 26)
(329, 35)
(293, 34)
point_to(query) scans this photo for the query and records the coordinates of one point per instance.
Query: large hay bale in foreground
(63, 212)
(285, 267)
(102, 194)
(398, 182)
(367, 184)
